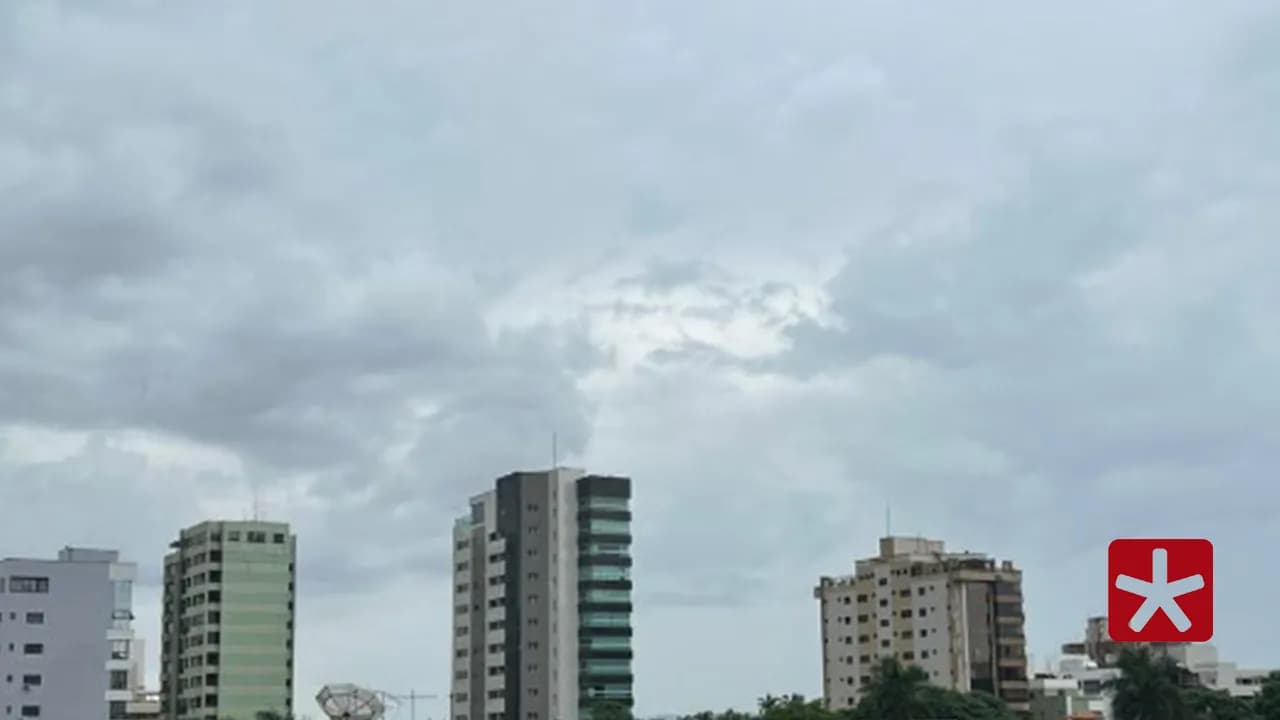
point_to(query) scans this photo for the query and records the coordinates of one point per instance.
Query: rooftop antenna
(555, 452)
(255, 500)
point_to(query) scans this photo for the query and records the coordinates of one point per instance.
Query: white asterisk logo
(1160, 594)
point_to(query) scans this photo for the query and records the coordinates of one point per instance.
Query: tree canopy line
(1149, 687)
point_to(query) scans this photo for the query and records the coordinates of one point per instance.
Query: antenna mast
(555, 452)
(888, 521)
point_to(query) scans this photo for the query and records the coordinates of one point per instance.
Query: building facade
(957, 616)
(67, 647)
(542, 598)
(228, 625)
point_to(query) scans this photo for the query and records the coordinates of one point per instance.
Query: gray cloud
(285, 235)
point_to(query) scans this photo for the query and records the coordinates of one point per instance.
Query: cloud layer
(1010, 272)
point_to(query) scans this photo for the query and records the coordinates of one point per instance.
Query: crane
(412, 696)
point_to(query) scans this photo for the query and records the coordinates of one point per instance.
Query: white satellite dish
(349, 702)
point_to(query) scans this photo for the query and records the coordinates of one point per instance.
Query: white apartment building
(1099, 653)
(542, 598)
(67, 647)
(957, 616)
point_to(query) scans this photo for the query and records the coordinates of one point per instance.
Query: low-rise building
(1078, 690)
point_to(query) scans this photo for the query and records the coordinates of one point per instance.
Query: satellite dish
(349, 702)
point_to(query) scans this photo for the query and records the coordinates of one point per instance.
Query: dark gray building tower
(542, 598)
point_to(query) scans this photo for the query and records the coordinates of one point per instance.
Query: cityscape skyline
(1011, 272)
(526, 559)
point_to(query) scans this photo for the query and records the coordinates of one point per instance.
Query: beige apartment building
(957, 616)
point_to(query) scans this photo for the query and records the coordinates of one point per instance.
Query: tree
(1266, 705)
(895, 693)
(1148, 688)
(792, 707)
(1205, 704)
(941, 702)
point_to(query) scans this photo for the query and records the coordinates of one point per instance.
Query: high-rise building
(542, 598)
(228, 627)
(67, 648)
(957, 616)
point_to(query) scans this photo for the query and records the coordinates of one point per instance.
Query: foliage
(1156, 688)
(894, 693)
(1266, 706)
(1205, 704)
(1149, 688)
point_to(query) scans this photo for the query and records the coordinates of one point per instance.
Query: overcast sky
(1009, 267)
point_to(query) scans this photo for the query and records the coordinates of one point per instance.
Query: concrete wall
(77, 612)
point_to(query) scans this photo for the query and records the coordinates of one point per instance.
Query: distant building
(542, 598)
(228, 623)
(1080, 690)
(957, 616)
(66, 627)
(145, 705)
(1087, 671)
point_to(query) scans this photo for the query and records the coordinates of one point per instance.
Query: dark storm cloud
(282, 232)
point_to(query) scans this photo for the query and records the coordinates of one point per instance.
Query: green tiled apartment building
(228, 626)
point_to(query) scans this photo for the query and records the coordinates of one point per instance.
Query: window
(922, 611)
(278, 538)
(22, 584)
(884, 602)
(884, 643)
(907, 613)
(920, 590)
(119, 680)
(35, 618)
(882, 581)
(884, 623)
(30, 711)
(256, 536)
(233, 536)
(32, 680)
(33, 649)
(119, 649)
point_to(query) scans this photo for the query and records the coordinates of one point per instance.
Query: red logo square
(1160, 590)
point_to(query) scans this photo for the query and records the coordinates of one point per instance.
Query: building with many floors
(228, 624)
(542, 598)
(957, 616)
(67, 646)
